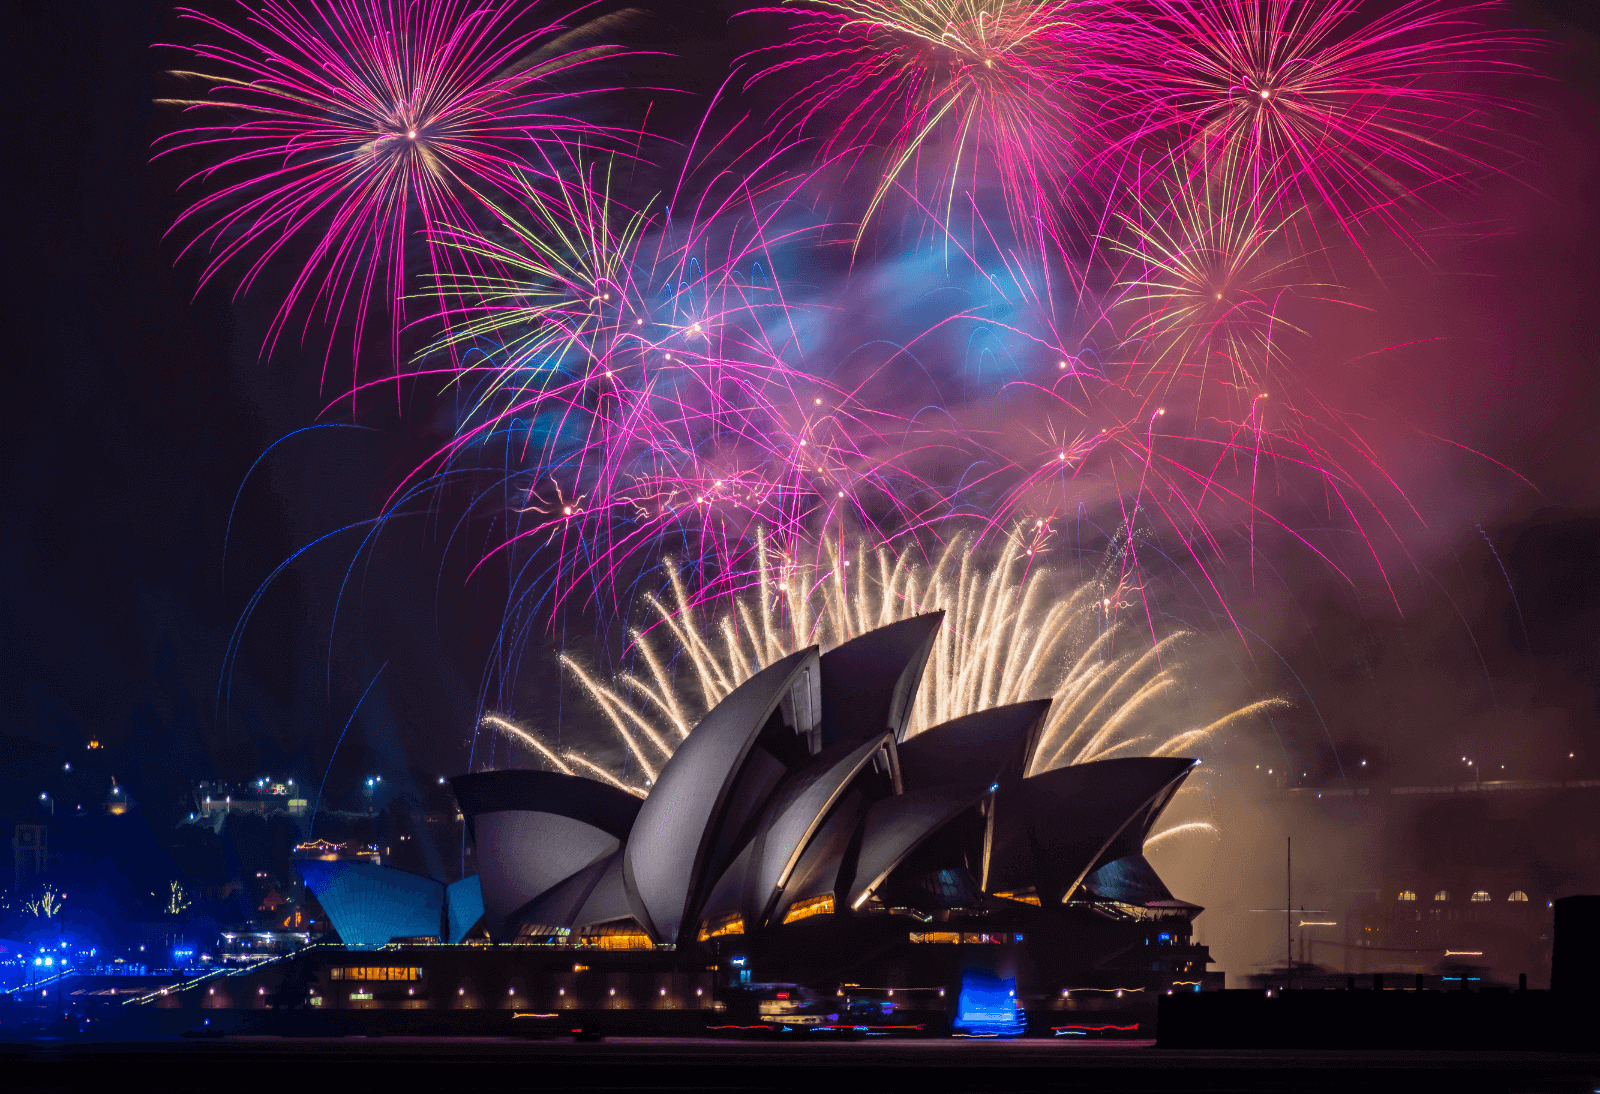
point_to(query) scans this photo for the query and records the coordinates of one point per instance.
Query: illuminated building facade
(1452, 880)
(798, 835)
(213, 801)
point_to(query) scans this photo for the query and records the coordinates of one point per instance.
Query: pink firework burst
(942, 98)
(1206, 262)
(1358, 115)
(625, 385)
(351, 126)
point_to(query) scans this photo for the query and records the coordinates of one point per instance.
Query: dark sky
(135, 408)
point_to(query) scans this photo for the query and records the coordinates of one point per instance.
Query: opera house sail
(798, 831)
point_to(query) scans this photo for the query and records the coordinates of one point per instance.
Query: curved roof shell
(869, 683)
(1131, 880)
(1052, 829)
(818, 870)
(368, 905)
(988, 747)
(463, 902)
(798, 785)
(594, 803)
(713, 786)
(593, 895)
(897, 825)
(535, 829)
(753, 883)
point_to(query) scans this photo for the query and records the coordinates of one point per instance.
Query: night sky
(135, 408)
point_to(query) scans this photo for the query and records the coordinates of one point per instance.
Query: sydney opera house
(798, 836)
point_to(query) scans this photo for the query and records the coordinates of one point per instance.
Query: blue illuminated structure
(987, 1006)
(368, 905)
(463, 903)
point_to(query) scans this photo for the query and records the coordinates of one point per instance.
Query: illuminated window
(721, 926)
(947, 937)
(1518, 895)
(1442, 894)
(380, 972)
(1480, 897)
(1026, 896)
(534, 931)
(1407, 894)
(621, 934)
(805, 909)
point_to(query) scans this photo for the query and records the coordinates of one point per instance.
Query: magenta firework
(1100, 231)
(338, 132)
(940, 99)
(1351, 108)
(631, 372)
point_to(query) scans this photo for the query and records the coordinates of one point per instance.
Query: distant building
(213, 801)
(1460, 876)
(30, 844)
(323, 851)
(241, 947)
(1424, 922)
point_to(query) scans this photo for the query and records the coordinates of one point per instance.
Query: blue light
(995, 787)
(736, 961)
(987, 1006)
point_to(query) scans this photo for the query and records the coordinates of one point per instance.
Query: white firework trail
(1009, 635)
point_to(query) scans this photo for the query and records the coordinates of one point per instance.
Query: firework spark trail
(351, 124)
(1191, 827)
(939, 97)
(1195, 316)
(630, 375)
(1312, 101)
(523, 737)
(1006, 638)
(1207, 268)
(1179, 487)
(641, 386)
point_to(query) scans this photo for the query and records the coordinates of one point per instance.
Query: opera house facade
(798, 835)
